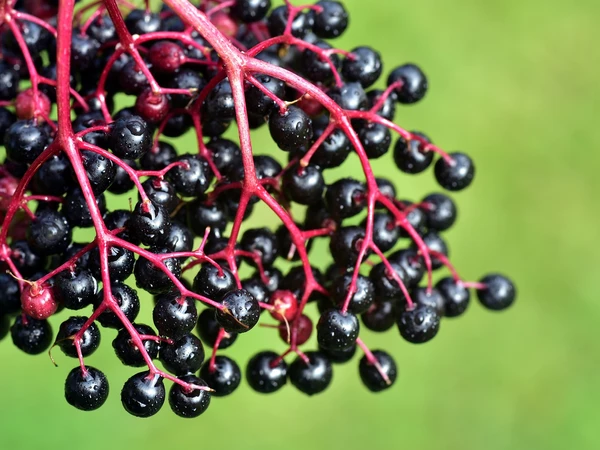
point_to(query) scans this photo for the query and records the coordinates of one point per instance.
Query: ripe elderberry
(86, 390)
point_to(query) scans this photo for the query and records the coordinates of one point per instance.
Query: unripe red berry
(152, 107)
(8, 186)
(303, 333)
(38, 301)
(225, 24)
(286, 305)
(166, 56)
(27, 106)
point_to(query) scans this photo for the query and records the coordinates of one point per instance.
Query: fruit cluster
(200, 68)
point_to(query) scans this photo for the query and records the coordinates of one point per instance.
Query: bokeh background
(515, 84)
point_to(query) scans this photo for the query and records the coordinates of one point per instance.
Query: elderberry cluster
(184, 240)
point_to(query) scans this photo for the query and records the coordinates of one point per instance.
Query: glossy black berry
(339, 356)
(7, 118)
(372, 377)
(189, 404)
(149, 223)
(76, 210)
(421, 296)
(100, 170)
(151, 277)
(249, 11)
(87, 390)
(120, 263)
(320, 70)
(363, 296)
(208, 329)
(303, 185)
(226, 154)
(414, 83)
(385, 231)
(375, 139)
(331, 21)
(119, 218)
(210, 127)
(291, 130)
(84, 50)
(26, 259)
(257, 288)
(158, 157)
(335, 148)
(10, 295)
(387, 110)
(132, 80)
(314, 377)
(49, 233)
(350, 96)
(440, 211)
(122, 182)
(193, 178)
(419, 325)
(411, 156)
(415, 217)
(287, 248)
(263, 376)
(457, 175)
(345, 198)
(9, 82)
(185, 355)
(53, 177)
(456, 296)
(380, 316)
(213, 282)
(102, 29)
(499, 292)
(140, 21)
(128, 352)
(266, 167)
(364, 65)
(259, 103)
(174, 316)
(202, 214)
(130, 138)
(345, 245)
(224, 377)
(89, 341)
(277, 22)
(162, 193)
(386, 188)
(337, 330)
(179, 239)
(263, 242)
(434, 242)
(25, 140)
(241, 311)
(127, 300)
(30, 335)
(219, 102)
(143, 395)
(185, 79)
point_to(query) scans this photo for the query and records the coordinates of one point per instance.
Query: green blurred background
(515, 84)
